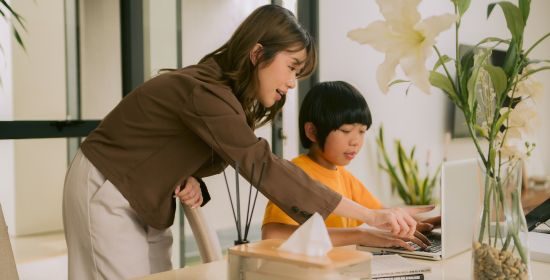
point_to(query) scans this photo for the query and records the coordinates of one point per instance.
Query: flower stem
(536, 43)
(446, 70)
(476, 143)
(458, 65)
(485, 213)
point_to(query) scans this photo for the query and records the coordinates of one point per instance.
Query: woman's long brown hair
(276, 29)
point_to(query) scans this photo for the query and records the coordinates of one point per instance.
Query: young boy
(333, 120)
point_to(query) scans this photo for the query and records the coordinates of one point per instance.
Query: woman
(184, 125)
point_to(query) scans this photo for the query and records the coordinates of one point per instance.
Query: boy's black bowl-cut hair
(329, 105)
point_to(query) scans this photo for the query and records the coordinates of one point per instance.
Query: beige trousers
(105, 237)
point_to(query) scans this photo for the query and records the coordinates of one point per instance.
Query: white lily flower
(523, 116)
(405, 39)
(514, 143)
(528, 87)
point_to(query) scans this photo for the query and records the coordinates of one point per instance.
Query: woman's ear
(255, 53)
(311, 132)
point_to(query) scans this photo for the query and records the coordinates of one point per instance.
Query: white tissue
(310, 239)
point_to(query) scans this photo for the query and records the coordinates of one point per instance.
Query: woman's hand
(398, 221)
(376, 238)
(191, 194)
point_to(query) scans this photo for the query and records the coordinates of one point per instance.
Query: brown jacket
(189, 123)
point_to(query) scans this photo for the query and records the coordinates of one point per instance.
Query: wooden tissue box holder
(262, 260)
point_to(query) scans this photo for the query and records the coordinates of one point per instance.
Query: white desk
(455, 268)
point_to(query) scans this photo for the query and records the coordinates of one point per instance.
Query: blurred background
(82, 56)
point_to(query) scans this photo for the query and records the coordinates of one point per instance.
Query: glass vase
(500, 246)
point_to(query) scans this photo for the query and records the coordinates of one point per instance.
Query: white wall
(160, 40)
(418, 119)
(39, 92)
(100, 54)
(7, 191)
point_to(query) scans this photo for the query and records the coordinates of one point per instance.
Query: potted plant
(405, 178)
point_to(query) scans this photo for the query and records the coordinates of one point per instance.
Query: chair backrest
(8, 270)
(207, 241)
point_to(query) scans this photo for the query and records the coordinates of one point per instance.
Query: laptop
(460, 183)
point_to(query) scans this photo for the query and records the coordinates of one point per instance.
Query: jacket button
(305, 214)
(295, 209)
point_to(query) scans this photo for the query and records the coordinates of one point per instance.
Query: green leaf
(15, 14)
(473, 110)
(18, 38)
(462, 6)
(533, 71)
(404, 174)
(432, 183)
(480, 131)
(513, 15)
(408, 89)
(442, 82)
(525, 7)
(442, 60)
(425, 191)
(511, 57)
(395, 82)
(537, 61)
(18, 18)
(544, 37)
(401, 160)
(467, 62)
(500, 122)
(473, 80)
(395, 180)
(492, 40)
(498, 78)
(492, 156)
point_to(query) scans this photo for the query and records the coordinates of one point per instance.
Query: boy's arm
(342, 236)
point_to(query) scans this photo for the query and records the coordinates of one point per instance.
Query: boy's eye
(292, 68)
(344, 130)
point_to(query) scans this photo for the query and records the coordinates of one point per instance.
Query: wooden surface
(531, 198)
(456, 268)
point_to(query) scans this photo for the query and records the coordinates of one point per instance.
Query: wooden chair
(8, 270)
(207, 241)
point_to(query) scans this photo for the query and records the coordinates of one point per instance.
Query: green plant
(502, 97)
(405, 177)
(6, 11)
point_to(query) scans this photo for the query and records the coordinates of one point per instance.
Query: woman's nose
(291, 83)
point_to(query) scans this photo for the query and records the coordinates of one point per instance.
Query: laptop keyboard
(435, 247)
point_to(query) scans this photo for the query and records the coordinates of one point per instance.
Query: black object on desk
(538, 215)
(249, 212)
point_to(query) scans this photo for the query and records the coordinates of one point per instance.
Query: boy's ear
(255, 53)
(311, 132)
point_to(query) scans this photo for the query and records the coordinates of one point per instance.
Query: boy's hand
(191, 194)
(375, 238)
(424, 227)
(428, 225)
(398, 221)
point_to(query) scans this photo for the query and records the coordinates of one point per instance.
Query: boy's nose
(355, 140)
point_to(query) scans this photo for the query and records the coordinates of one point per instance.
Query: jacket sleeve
(217, 118)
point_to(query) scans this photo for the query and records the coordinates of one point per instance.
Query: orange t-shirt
(339, 180)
